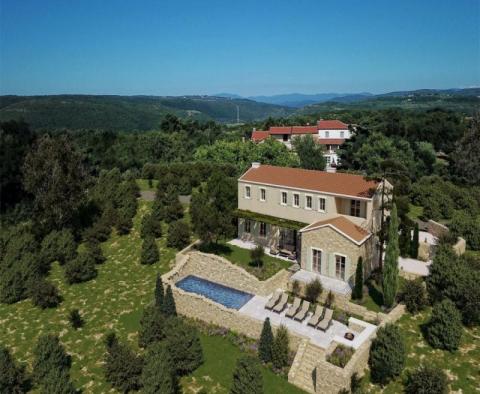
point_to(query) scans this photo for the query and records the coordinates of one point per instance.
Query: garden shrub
(44, 294)
(75, 319)
(57, 382)
(59, 246)
(80, 269)
(150, 254)
(341, 355)
(387, 354)
(49, 355)
(414, 295)
(178, 234)
(257, 254)
(158, 374)
(313, 290)
(426, 380)
(444, 329)
(247, 377)
(13, 378)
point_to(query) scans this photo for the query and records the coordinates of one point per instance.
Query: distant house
(330, 133)
(324, 220)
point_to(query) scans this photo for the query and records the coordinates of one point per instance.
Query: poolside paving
(256, 308)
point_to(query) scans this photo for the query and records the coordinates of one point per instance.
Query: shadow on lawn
(374, 293)
(216, 248)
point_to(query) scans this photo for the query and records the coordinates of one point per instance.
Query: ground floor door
(288, 240)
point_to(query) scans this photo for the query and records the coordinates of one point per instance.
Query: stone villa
(329, 133)
(325, 221)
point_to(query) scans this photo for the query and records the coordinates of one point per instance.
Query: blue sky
(245, 47)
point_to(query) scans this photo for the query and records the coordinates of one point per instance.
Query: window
(355, 208)
(340, 267)
(327, 134)
(321, 204)
(342, 134)
(328, 160)
(263, 194)
(247, 226)
(308, 202)
(263, 229)
(296, 200)
(247, 192)
(284, 198)
(316, 260)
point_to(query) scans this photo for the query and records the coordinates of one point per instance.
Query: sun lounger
(294, 308)
(313, 321)
(281, 304)
(273, 300)
(302, 313)
(327, 319)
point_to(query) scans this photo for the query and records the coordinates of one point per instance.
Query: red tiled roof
(260, 135)
(331, 125)
(343, 226)
(280, 130)
(331, 141)
(321, 181)
(304, 130)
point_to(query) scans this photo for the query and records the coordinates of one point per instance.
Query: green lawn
(143, 184)
(415, 212)
(215, 375)
(462, 367)
(241, 257)
(112, 301)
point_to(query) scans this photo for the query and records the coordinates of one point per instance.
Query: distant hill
(129, 112)
(298, 100)
(462, 100)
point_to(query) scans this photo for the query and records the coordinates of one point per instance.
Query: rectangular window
(321, 204)
(355, 208)
(308, 202)
(263, 194)
(327, 134)
(342, 134)
(247, 191)
(316, 260)
(247, 226)
(263, 229)
(284, 198)
(296, 200)
(340, 267)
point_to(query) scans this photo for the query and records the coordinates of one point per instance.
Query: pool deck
(256, 308)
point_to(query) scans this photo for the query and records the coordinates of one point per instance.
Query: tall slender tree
(159, 292)
(158, 375)
(168, 307)
(357, 293)
(390, 270)
(280, 348)
(415, 243)
(266, 342)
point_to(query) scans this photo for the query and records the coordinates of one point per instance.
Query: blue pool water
(231, 298)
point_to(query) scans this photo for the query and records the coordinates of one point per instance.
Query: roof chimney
(254, 129)
(255, 164)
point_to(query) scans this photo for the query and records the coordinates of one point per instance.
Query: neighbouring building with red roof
(330, 133)
(325, 221)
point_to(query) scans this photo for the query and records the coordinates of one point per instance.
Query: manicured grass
(241, 257)
(143, 184)
(415, 212)
(373, 300)
(215, 375)
(461, 366)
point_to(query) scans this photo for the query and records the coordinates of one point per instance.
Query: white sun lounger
(281, 304)
(302, 313)
(313, 321)
(294, 308)
(273, 300)
(327, 319)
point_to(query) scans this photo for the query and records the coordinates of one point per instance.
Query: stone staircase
(302, 373)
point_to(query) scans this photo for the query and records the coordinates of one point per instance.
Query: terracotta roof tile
(280, 130)
(320, 181)
(304, 130)
(344, 226)
(331, 125)
(331, 141)
(260, 135)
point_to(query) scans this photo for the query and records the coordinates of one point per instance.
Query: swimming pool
(227, 296)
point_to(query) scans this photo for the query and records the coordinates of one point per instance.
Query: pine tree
(80, 269)
(150, 253)
(280, 348)
(173, 208)
(266, 342)
(158, 375)
(159, 292)
(247, 377)
(49, 355)
(168, 307)
(95, 251)
(178, 235)
(357, 293)
(152, 326)
(415, 243)
(58, 382)
(444, 330)
(12, 376)
(123, 367)
(390, 269)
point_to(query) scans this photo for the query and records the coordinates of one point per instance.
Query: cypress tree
(357, 293)
(247, 377)
(12, 376)
(266, 342)
(280, 348)
(58, 382)
(150, 253)
(390, 269)
(158, 375)
(168, 307)
(415, 243)
(404, 241)
(159, 292)
(49, 355)
(152, 326)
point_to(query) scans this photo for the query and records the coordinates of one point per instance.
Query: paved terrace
(256, 308)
